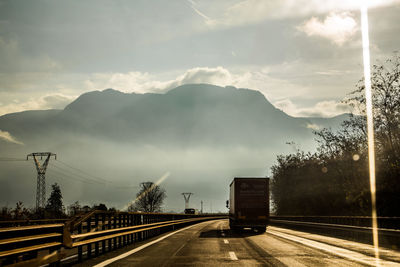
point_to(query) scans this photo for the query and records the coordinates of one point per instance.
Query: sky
(304, 56)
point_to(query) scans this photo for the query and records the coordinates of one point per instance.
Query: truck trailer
(249, 204)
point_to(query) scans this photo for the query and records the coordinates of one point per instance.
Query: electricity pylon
(41, 178)
(186, 196)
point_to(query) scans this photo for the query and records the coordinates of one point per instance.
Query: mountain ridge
(186, 115)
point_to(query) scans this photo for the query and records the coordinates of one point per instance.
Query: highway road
(212, 243)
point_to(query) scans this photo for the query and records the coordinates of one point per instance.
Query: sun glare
(370, 126)
(158, 182)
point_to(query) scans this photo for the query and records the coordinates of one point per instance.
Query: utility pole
(201, 211)
(41, 178)
(186, 196)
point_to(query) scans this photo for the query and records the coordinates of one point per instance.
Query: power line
(11, 159)
(69, 174)
(66, 176)
(75, 175)
(84, 172)
(67, 171)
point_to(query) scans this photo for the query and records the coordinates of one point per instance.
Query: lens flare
(158, 182)
(370, 126)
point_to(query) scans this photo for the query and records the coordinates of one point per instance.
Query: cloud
(339, 28)
(6, 136)
(256, 79)
(313, 126)
(218, 76)
(56, 101)
(255, 11)
(324, 109)
(49, 101)
(139, 82)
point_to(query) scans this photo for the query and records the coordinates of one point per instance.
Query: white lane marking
(226, 241)
(233, 256)
(344, 253)
(126, 254)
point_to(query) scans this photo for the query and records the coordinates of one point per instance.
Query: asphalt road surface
(212, 243)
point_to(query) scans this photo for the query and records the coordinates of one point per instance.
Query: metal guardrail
(25, 222)
(362, 221)
(23, 243)
(353, 228)
(97, 231)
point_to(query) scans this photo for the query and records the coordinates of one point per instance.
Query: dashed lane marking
(226, 241)
(233, 256)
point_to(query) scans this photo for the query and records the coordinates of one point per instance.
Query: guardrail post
(89, 246)
(96, 225)
(130, 223)
(140, 221)
(109, 227)
(67, 241)
(145, 233)
(136, 220)
(103, 227)
(119, 226)
(80, 247)
(124, 224)
(115, 226)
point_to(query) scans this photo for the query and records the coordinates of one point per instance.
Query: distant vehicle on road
(190, 211)
(249, 204)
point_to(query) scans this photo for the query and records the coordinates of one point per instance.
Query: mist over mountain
(203, 135)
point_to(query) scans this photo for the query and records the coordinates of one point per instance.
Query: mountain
(203, 135)
(189, 115)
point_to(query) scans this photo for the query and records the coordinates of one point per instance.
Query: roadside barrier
(357, 228)
(88, 234)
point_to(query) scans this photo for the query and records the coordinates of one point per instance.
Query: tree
(385, 82)
(54, 204)
(5, 213)
(74, 208)
(19, 206)
(335, 179)
(149, 198)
